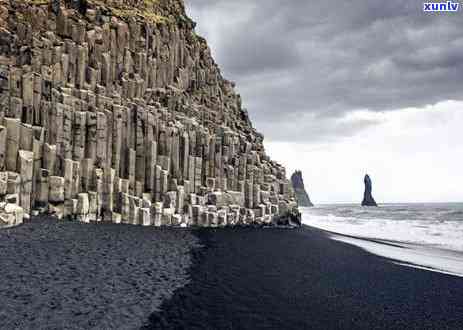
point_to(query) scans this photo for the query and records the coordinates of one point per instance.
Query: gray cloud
(324, 59)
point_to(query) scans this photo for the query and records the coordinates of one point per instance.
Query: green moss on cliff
(153, 11)
(38, 2)
(149, 11)
(148, 16)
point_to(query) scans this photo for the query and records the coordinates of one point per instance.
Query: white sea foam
(425, 236)
(403, 227)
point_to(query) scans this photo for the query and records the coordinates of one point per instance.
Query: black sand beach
(62, 275)
(300, 279)
(65, 275)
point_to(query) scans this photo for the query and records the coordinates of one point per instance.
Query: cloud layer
(305, 66)
(412, 155)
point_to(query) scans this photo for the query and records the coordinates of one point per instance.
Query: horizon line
(384, 203)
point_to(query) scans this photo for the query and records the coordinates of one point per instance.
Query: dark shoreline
(247, 278)
(74, 276)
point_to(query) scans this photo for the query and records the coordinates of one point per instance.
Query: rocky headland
(115, 111)
(301, 194)
(368, 199)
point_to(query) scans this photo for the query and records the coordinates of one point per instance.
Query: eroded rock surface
(368, 199)
(116, 111)
(299, 190)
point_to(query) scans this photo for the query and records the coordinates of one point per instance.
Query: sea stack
(116, 111)
(299, 189)
(368, 199)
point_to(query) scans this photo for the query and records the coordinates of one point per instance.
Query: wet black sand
(64, 275)
(300, 279)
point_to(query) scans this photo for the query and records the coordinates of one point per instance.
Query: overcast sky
(341, 88)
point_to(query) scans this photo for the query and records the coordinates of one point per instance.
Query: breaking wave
(433, 225)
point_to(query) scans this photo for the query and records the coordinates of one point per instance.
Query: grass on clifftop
(147, 10)
(150, 17)
(38, 2)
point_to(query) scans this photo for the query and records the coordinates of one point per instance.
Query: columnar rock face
(116, 111)
(299, 190)
(368, 199)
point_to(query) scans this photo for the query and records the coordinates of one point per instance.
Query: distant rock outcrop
(299, 189)
(368, 199)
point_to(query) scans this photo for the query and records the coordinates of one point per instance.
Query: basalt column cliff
(116, 111)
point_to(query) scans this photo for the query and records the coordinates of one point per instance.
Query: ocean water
(423, 235)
